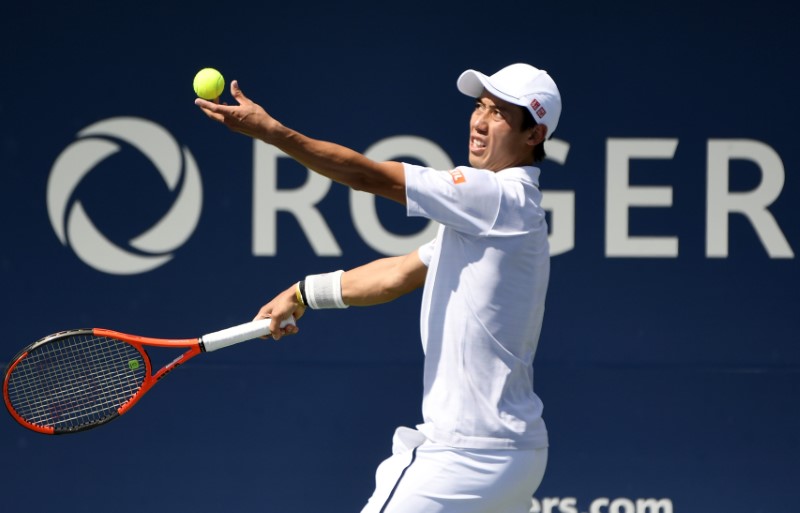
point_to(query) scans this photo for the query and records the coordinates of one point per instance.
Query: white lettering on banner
(268, 200)
(362, 204)
(620, 196)
(721, 202)
(301, 202)
(560, 204)
(601, 505)
(156, 246)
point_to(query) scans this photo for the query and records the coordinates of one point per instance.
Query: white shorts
(424, 477)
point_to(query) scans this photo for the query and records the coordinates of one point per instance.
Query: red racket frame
(194, 344)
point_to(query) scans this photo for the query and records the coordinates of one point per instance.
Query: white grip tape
(240, 333)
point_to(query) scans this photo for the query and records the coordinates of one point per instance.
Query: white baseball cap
(520, 84)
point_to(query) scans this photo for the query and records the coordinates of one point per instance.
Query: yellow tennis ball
(208, 83)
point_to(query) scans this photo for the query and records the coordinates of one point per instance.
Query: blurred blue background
(665, 376)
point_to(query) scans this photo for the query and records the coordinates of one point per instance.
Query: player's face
(495, 139)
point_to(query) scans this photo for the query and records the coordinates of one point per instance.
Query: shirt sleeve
(465, 199)
(425, 252)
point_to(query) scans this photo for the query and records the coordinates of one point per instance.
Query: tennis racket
(79, 379)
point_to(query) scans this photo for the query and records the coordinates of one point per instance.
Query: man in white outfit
(482, 446)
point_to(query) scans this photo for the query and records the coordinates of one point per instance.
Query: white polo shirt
(482, 305)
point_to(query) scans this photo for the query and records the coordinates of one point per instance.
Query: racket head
(74, 380)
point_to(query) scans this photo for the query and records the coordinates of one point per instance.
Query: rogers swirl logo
(156, 245)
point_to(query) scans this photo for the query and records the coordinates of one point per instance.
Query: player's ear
(537, 135)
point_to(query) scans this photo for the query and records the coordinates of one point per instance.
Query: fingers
(220, 111)
(237, 93)
(278, 312)
(208, 110)
(230, 116)
(209, 106)
(282, 307)
(275, 329)
(277, 332)
(211, 109)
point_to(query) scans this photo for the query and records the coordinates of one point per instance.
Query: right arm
(383, 280)
(379, 281)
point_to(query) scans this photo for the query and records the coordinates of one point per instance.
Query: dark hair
(529, 122)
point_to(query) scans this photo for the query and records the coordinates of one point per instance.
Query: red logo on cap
(537, 107)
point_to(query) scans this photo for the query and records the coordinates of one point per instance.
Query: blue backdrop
(669, 361)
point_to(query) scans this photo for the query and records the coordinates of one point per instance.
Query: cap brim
(470, 83)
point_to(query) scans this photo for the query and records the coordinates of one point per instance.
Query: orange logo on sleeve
(458, 176)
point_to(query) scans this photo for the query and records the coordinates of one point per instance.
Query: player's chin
(476, 161)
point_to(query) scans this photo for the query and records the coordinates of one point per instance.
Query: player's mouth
(477, 145)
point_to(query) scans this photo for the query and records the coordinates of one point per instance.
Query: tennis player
(482, 446)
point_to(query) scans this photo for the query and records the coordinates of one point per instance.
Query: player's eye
(495, 113)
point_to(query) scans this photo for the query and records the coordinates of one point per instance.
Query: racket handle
(240, 333)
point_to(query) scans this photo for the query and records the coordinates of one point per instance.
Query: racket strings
(75, 381)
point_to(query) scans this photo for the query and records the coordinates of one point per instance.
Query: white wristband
(324, 290)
